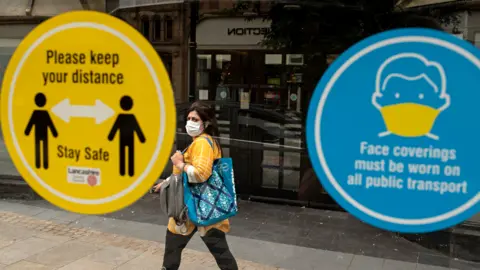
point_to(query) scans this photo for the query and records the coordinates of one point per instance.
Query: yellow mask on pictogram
(409, 119)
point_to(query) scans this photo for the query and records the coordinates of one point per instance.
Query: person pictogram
(42, 122)
(126, 124)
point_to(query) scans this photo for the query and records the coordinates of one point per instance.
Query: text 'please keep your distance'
(81, 76)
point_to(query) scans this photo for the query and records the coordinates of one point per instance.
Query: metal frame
(29, 9)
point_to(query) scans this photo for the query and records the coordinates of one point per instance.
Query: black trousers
(215, 240)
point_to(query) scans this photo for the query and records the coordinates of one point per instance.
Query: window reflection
(204, 61)
(168, 28)
(477, 39)
(145, 27)
(295, 59)
(273, 59)
(222, 59)
(157, 28)
(204, 64)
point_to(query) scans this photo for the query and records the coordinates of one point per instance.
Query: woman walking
(197, 163)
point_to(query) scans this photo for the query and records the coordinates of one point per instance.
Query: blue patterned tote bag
(215, 199)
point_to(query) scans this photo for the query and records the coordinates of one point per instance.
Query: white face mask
(194, 128)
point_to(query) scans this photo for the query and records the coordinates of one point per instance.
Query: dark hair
(207, 114)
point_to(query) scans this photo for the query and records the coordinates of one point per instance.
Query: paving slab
(113, 256)
(58, 216)
(25, 209)
(12, 233)
(23, 249)
(55, 238)
(146, 261)
(26, 265)
(4, 243)
(86, 264)
(430, 267)
(398, 265)
(360, 262)
(63, 254)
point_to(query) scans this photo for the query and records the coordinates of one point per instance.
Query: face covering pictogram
(410, 93)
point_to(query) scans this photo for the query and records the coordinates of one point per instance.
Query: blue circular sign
(393, 132)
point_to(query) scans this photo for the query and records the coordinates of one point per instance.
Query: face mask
(409, 119)
(194, 128)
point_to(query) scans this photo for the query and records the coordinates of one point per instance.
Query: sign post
(88, 112)
(390, 132)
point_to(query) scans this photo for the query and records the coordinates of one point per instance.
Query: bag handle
(213, 148)
(209, 142)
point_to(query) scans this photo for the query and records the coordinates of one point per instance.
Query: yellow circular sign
(88, 113)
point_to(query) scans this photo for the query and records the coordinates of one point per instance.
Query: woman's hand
(157, 187)
(177, 160)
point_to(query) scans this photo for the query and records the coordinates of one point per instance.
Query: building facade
(164, 26)
(469, 26)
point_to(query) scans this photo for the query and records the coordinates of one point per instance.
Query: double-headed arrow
(100, 111)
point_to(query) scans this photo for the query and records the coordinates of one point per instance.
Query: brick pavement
(30, 243)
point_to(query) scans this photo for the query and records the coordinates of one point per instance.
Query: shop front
(232, 62)
(258, 95)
